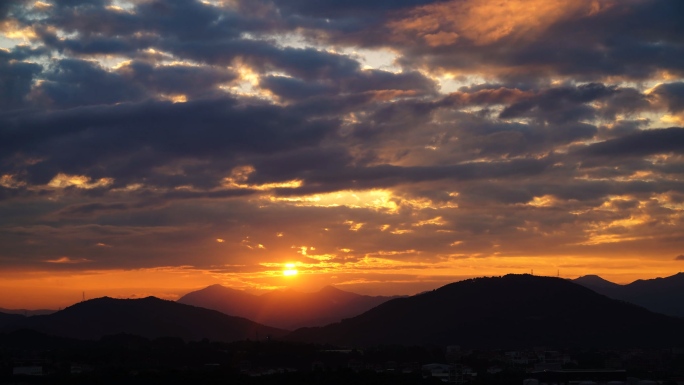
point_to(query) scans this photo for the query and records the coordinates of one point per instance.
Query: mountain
(27, 312)
(148, 317)
(509, 311)
(288, 309)
(596, 283)
(8, 319)
(661, 295)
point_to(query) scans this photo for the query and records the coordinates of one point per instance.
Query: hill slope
(287, 309)
(510, 311)
(661, 295)
(8, 319)
(148, 317)
(596, 283)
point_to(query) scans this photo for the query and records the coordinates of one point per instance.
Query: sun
(290, 270)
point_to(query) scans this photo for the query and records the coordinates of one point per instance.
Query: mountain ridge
(662, 295)
(148, 317)
(287, 309)
(509, 311)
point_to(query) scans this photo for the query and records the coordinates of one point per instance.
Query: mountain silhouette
(595, 282)
(288, 309)
(8, 319)
(27, 312)
(147, 317)
(661, 295)
(509, 311)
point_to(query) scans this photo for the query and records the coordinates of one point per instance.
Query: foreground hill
(148, 317)
(510, 311)
(8, 319)
(287, 309)
(661, 295)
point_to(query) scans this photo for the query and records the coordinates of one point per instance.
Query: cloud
(679, 258)
(446, 23)
(672, 94)
(67, 260)
(82, 141)
(16, 78)
(460, 131)
(643, 143)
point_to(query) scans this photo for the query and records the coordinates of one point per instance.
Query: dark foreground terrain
(500, 330)
(28, 357)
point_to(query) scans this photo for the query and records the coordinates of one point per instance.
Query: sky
(384, 147)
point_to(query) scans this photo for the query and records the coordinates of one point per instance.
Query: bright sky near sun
(152, 148)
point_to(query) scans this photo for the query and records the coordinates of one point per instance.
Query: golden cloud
(80, 181)
(67, 260)
(484, 21)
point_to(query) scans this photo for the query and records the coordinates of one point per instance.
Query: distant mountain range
(148, 317)
(661, 295)
(8, 319)
(509, 311)
(27, 312)
(503, 312)
(286, 309)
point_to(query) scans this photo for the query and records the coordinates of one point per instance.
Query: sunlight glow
(62, 180)
(290, 270)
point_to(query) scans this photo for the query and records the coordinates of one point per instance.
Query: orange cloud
(484, 22)
(67, 260)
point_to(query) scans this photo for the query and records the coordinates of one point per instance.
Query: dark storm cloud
(295, 89)
(384, 176)
(183, 20)
(94, 140)
(412, 84)
(153, 24)
(73, 83)
(301, 163)
(23, 52)
(80, 3)
(192, 81)
(559, 105)
(341, 8)
(11, 6)
(16, 78)
(679, 258)
(648, 142)
(673, 94)
(90, 208)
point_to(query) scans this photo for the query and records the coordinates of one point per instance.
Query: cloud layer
(407, 142)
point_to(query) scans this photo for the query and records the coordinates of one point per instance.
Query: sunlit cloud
(240, 175)
(11, 29)
(67, 260)
(414, 143)
(10, 181)
(79, 181)
(482, 22)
